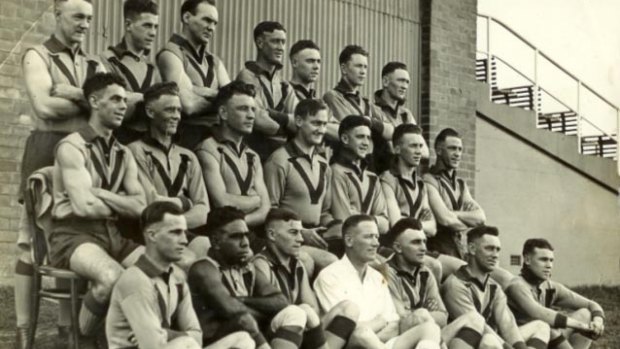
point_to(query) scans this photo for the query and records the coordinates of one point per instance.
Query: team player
(298, 178)
(305, 58)
(415, 291)
(533, 295)
(352, 279)
(129, 60)
(232, 171)
(275, 98)
(471, 288)
(355, 189)
(95, 182)
(168, 171)
(230, 294)
(199, 73)
(279, 261)
(151, 306)
(53, 74)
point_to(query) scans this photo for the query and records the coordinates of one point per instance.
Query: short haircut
(350, 50)
(352, 121)
(531, 244)
(220, 216)
(354, 220)
(100, 81)
(391, 67)
(58, 2)
(444, 134)
(477, 232)
(401, 130)
(400, 227)
(155, 212)
(134, 8)
(277, 214)
(302, 45)
(267, 27)
(191, 6)
(235, 87)
(309, 107)
(160, 89)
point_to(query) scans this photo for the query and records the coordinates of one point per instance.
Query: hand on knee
(420, 316)
(312, 318)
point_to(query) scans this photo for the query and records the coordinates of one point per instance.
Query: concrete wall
(528, 194)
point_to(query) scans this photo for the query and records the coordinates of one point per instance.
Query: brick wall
(448, 94)
(22, 23)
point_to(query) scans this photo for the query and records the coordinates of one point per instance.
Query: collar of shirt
(346, 89)
(400, 271)
(271, 256)
(150, 140)
(350, 269)
(229, 143)
(90, 136)
(198, 53)
(55, 46)
(464, 274)
(439, 170)
(413, 180)
(152, 270)
(215, 259)
(347, 159)
(530, 277)
(295, 151)
(383, 104)
(258, 70)
(309, 94)
(121, 50)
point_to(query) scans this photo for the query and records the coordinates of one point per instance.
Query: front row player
(533, 296)
(471, 288)
(350, 278)
(151, 306)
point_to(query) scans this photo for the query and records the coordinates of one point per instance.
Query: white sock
(427, 344)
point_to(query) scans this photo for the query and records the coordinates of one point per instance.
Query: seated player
(275, 98)
(129, 60)
(279, 260)
(298, 178)
(168, 171)
(95, 182)
(471, 288)
(232, 171)
(575, 320)
(230, 294)
(352, 279)
(151, 306)
(415, 291)
(356, 190)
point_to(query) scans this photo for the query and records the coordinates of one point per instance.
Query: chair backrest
(39, 200)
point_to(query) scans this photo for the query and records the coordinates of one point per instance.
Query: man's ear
(270, 234)
(385, 81)
(298, 121)
(397, 247)
(260, 42)
(149, 235)
(527, 259)
(348, 240)
(344, 138)
(471, 248)
(185, 17)
(149, 112)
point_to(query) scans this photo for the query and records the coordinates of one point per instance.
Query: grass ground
(608, 297)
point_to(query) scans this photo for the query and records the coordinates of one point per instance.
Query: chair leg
(34, 310)
(75, 323)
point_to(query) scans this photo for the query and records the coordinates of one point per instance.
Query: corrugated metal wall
(388, 29)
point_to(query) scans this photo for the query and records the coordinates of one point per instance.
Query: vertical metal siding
(388, 29)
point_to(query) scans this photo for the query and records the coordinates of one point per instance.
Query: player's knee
(582, 315)
(185, 343)
(292, 315)
(362, 337)
(105, 282)
(243, 340)
(307, 261)
(312, 318)
(489, 341)
(543, 330)
(430, 330)
(348, 309)
(474, 320)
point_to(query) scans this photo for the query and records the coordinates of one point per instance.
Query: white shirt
(340, 281)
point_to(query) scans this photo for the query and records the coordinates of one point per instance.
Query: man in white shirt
(350, 278)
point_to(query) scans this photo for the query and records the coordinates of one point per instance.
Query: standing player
(305, 58)
(471, 288)
(199, 73)
(53, 74)
(534, 296)
(275, 98)
(129, 60)
(95, 182)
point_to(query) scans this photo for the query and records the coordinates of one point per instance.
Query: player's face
(362, 242)
(239, 113)
(409, 149)
(288, 238)
(355, 69)
(412, 245)
(168, 237)
(307, 65)
(143, 29)
(313, 127)
(271, 46)
(233, 242)
(165, 113)
(201, 26)
(110, 105)
(486, 252)
(540, 262)
(397, 83)
(358, 141)
(73, 18)
(450, 152)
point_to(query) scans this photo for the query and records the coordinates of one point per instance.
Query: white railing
(527, 62)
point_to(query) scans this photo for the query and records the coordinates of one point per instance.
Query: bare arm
(257, 217)
(217, 188)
